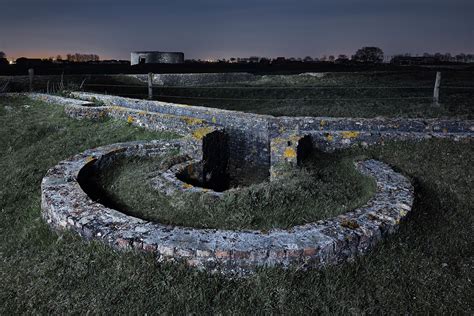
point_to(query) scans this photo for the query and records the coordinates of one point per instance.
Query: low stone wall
(193, 130)
(65, 205)
(247, 140)
(266, 142)
(249, 143)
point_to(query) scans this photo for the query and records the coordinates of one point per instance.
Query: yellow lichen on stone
(142, 113)
(349, 223)
(130, 119)
(118, 108)
(350, 134)
(295, 138)
(90, 158)
(278, 140)
(187, 186)
(322, 123)
(329, 137)
(201, 132)
(214, 120)
(192, 121)
(289, 153)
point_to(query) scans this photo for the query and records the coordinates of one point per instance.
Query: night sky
(220, 28)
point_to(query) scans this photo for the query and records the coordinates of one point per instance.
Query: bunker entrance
(195, 175)
(304, 149)
(214, 171)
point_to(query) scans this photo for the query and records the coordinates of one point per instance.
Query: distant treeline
(257, 68)
(366, 58)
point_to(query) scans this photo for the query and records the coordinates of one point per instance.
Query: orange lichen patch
(190, 169)
(201, 132)
(192, 121)
(90, 158)
(350, 134)
(187, 186)
(289, 153)
(130, 119)
(352, 224)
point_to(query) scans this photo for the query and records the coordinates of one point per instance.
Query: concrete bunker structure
(226, 143)
(156, 57)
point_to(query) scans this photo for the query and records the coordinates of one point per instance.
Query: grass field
(407, 94)
(427, 267)
(328, 186)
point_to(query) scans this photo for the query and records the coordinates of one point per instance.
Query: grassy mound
(326, 187)
(426, 268)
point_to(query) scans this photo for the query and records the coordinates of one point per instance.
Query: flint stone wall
(248, 133)
(264, 141)
(66, 206)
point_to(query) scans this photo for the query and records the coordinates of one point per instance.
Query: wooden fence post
(31, 74)
(47, 87)
(150, 85)
(436, 89)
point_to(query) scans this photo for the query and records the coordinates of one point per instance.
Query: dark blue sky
(213, 28)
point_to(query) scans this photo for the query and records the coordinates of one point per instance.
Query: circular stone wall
(65, 205)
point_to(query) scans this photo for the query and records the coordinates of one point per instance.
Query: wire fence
(291, 87)
(272, 99)
(156, 91)
(152, 91)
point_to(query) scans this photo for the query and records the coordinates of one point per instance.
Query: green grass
(330, 95)
(303, 95)
(427, 267)
(326, 187)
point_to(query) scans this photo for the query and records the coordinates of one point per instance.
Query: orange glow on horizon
(48, 54)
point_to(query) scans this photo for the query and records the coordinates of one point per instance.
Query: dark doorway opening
(304, 149)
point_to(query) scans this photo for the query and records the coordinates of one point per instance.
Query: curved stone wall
(65, 205)
(248, 140)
